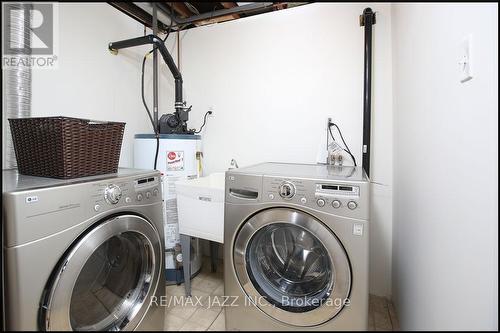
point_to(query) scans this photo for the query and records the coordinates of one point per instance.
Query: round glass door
(111, 283)
(104, 283)
(292, 267)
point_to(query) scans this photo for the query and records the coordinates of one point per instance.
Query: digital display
(142, 181)
(151, 179)
(334, 190)
(329, 187)
(345, 188)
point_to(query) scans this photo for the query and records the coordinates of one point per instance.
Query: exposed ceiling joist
(138, 14)
(228, 5)
(181, 9)
(186, 15)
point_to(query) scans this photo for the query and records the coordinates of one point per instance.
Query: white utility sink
(200, 204)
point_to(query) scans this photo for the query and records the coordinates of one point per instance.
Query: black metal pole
(155, 40)
(367, 19)
(155, 71)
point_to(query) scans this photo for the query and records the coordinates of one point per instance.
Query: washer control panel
(338, 190)
(287, 190)
(335, 197)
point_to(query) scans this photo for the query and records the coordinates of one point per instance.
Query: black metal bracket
(367, 19)
(362, 17)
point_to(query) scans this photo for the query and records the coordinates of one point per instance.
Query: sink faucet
(234, 164)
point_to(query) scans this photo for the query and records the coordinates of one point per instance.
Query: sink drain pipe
(367, 19)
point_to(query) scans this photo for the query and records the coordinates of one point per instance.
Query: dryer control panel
(138, 191)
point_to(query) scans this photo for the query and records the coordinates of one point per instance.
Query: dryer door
(106, 279)
(292, 267)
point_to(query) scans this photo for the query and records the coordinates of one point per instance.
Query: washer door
(292, 267)
(106, 279)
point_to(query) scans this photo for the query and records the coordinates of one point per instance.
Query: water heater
(176, 161)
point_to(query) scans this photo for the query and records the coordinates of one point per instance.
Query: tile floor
(203, 314)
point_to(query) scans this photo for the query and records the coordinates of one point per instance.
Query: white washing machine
(83, 254)
(296, 247)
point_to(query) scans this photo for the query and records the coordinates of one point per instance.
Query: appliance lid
(13, 181)
(312, 171)
(169, 136)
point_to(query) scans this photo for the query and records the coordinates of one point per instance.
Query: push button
(139, 197)
(97, 208)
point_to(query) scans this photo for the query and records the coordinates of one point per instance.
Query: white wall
(92, 83)
(273, 80)
(445, 243)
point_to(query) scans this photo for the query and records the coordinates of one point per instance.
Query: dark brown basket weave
(63, 147)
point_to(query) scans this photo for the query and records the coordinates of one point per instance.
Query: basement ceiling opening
(176, 16)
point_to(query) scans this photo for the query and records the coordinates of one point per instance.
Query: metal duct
(16, 81)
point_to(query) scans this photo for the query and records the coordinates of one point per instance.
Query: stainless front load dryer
(296, 247)
(83, 254)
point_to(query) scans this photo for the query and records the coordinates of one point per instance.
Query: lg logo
(28, 28)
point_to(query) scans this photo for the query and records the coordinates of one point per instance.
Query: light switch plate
(465, 60)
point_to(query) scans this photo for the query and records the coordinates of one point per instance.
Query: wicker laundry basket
(63, 147)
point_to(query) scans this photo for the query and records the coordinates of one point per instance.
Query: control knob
(112, 194)
(336, 204)
(287, 190)
(352, 205)
(320, 202)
